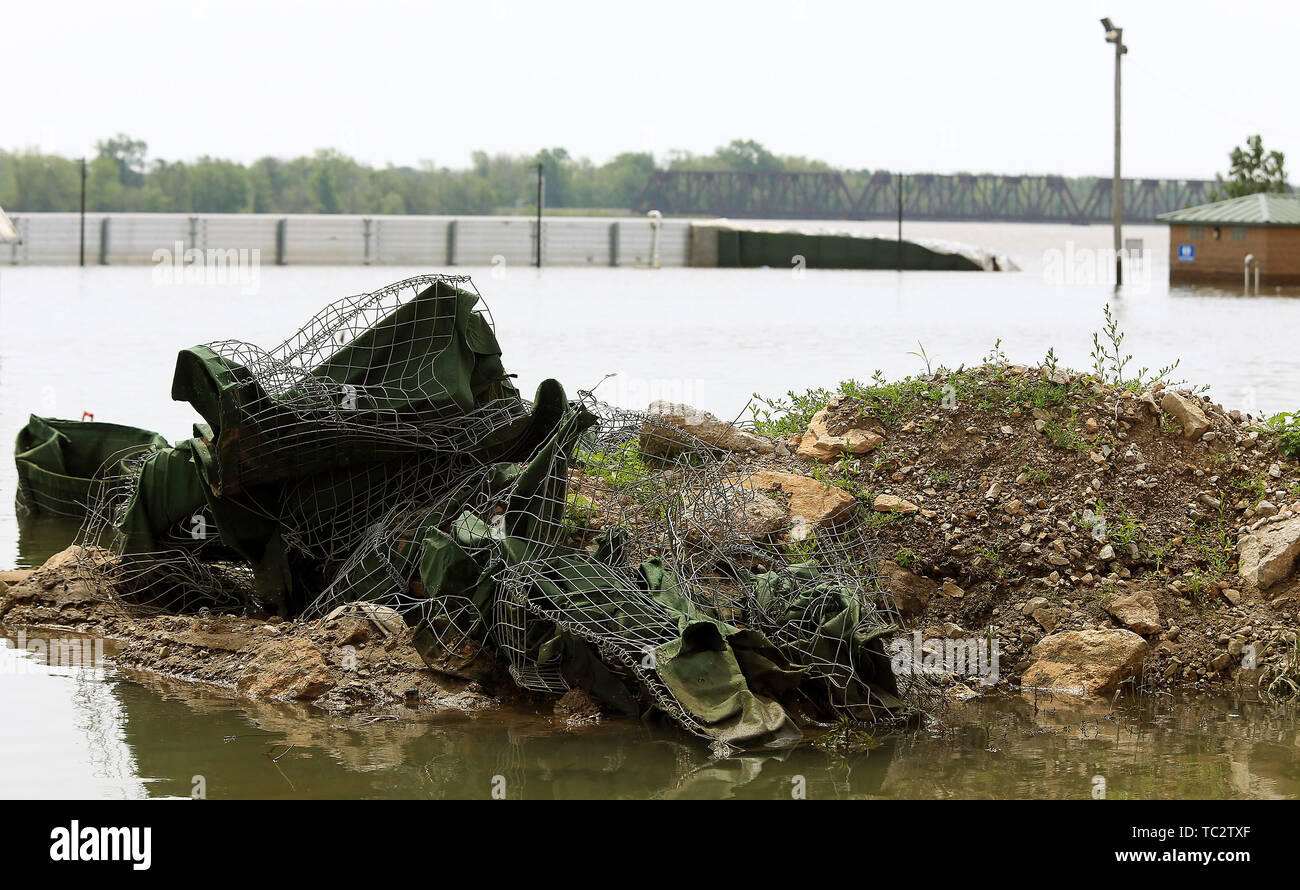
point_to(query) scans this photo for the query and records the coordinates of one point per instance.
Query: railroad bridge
(929, 196)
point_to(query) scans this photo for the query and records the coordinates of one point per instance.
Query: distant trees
(1251, 171)
(122, 177)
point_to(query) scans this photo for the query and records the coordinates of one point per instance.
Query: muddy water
(94, 731)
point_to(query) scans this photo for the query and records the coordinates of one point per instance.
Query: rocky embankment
(1105, 537)
(1102, 535)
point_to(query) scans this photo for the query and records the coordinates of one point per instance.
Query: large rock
(911, 592)
(671, 429)
(290, 670)
(1268, 554)
(812, 504)
(1039, 609)
(1187, 413)
(1085, 662)
(1136, 611)
(819, 443)
(892, 503)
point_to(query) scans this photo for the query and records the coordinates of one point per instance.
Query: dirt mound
(1048, 501)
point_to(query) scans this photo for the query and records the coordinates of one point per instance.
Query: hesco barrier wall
(779, 249)
(133, 238)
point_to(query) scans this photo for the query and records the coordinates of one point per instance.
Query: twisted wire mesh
(631, 488)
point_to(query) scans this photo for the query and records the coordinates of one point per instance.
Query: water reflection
(129, 735)
(41, 537)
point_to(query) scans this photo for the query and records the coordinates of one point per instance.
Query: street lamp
(1116, 36)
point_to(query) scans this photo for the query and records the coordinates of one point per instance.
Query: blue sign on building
(1186, 253)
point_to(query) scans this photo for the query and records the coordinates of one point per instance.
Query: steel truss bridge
(925, 196)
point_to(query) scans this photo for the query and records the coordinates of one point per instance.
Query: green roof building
(1247, 239)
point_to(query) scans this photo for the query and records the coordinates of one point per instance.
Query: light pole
(1116, 36)
(541, 193)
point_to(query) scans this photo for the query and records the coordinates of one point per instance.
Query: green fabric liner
(778, 250)
(257, 453)
(261, 439)
(58, 461)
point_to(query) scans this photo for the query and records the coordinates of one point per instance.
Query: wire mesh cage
(382, 455)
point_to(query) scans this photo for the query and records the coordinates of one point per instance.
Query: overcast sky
(916, 86)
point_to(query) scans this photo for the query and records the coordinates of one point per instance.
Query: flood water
(102, 733)
(104, 340)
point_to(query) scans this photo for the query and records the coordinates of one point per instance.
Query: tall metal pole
(541, 180)
(1116, 36)
(900, 222)
(81, 254)
(1117, 209)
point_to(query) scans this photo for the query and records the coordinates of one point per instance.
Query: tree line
(121, 177)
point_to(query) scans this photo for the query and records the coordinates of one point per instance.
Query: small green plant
(1050, 361)
(1109, 360)
(877, 520)
(996, 357)
(848, 737)
(579, 513)
(923, 357)
(1036, 475)
(803, 551)
(1064, 437)
(1158, 553)
(1286, 426)
(904, 557)
(1252, 489)
(621, 467)
(1285, 682)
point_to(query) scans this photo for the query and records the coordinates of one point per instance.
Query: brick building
(1210, 244)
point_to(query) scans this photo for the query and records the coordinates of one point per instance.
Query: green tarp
(61, 462)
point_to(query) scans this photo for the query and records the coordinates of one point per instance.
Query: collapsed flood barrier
(382, 454)
(60, 462)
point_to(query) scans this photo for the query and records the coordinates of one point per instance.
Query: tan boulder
(671, 429)
(1085, 662)
(1268, 554)
(911, 592)
(1187, 413)
(1137, 611)
(891, 503)
(290, 669)
(811, 504)
(819, 443)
